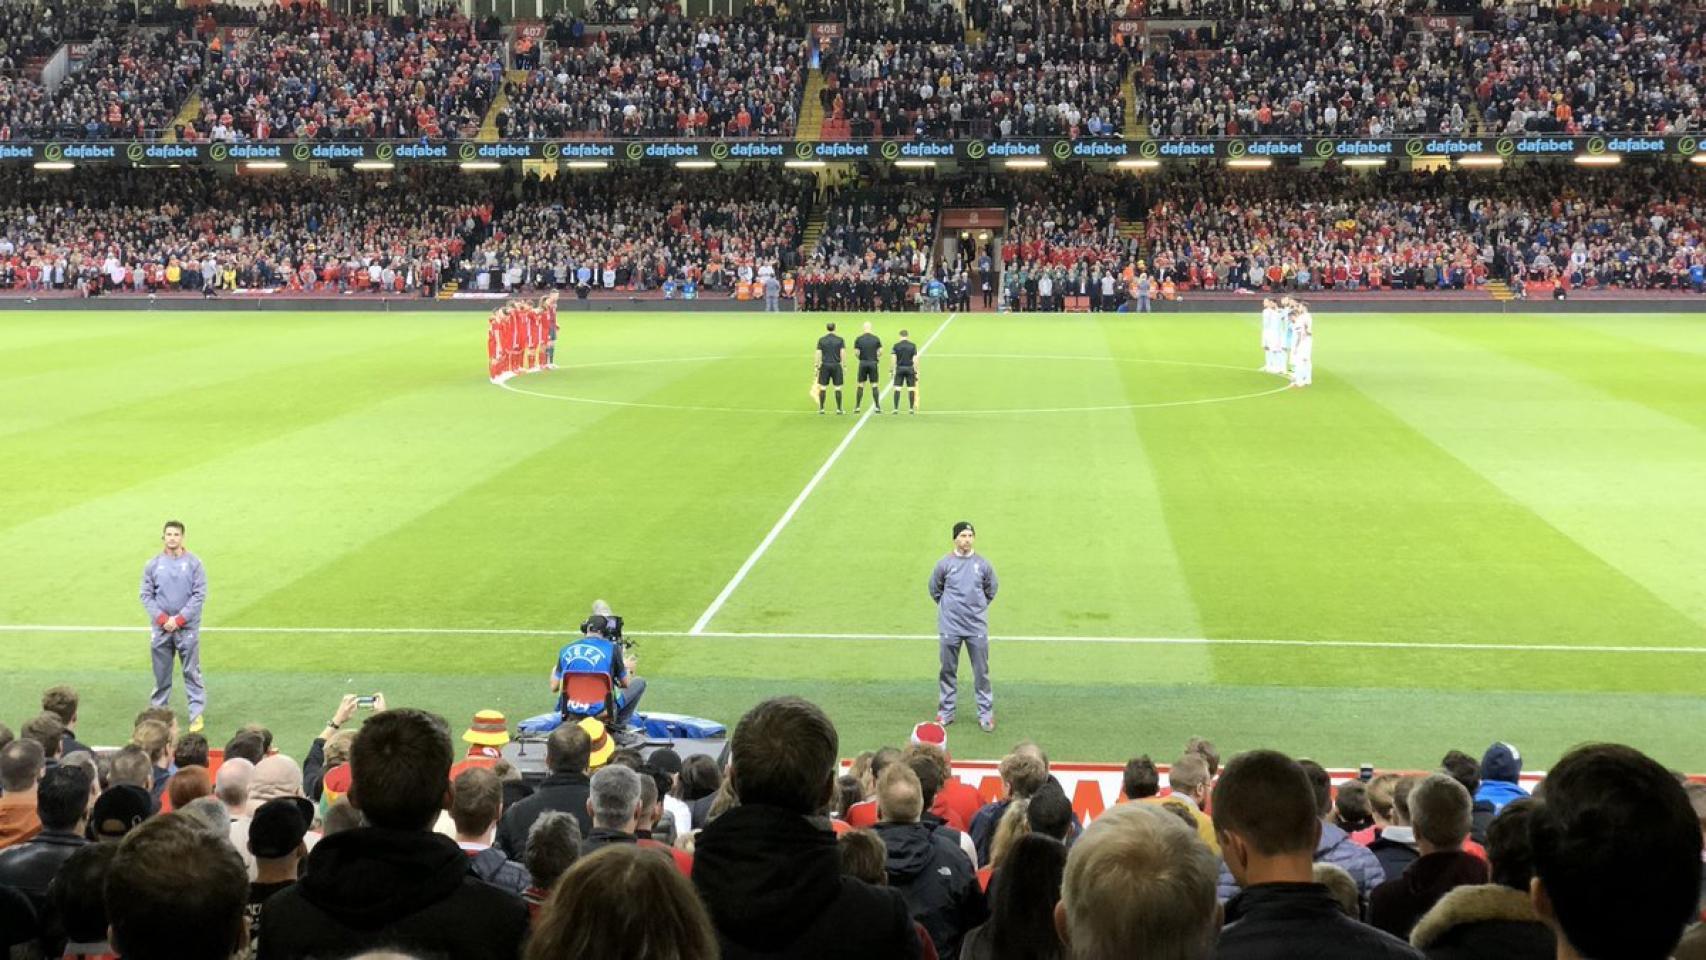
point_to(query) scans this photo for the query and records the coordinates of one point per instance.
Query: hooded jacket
(936, 879)
(1484, 922)
(771, 880)
(1398, 904)
(1285, 921)
(406, 889)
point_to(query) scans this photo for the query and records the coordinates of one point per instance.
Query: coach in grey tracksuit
(174, 586)
(963, 584)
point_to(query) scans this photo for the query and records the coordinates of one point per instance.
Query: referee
(905, 374)
(870, 351)
(830, 350)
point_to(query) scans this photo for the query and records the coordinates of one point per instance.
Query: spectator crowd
(1029, 69)
(383, 841)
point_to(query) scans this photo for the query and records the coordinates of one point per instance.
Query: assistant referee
(830, 352)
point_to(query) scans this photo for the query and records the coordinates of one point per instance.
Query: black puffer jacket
(772, 882)
(936, 879)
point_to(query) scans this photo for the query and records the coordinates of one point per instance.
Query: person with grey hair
(1138, 883)
(1440, 816)
(615, 808)
(553, 846)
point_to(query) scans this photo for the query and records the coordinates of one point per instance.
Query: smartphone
(366, 703)
(1366, 773)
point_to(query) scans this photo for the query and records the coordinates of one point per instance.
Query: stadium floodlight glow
(695, 164)
(477, 166)
(1027, 163)
(1364, 162)
(915, 164)
(1138, 164)
(588, 165)
(1480, 160)
(262, 165)
(1250, 163)
(374, 165)
(1600, 159)
(54, 165)
(805, 164)
(1699, 158)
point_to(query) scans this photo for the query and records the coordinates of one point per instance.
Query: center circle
(1262, 384)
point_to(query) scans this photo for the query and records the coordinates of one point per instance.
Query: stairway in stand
(1500, 291)
(447, 290)
(489, 126)
(188, 114)
(1134, 128)
(1134, 230)
(810, 236)
(810, 126)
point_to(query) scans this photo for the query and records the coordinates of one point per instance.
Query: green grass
(1447, 532)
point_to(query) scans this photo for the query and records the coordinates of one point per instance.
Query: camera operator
(600, 650)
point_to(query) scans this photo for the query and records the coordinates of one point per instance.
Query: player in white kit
(1302, 346)
(1273, 337)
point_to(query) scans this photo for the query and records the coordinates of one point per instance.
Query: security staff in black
(870, 351)
(905, 373)
(830, 349)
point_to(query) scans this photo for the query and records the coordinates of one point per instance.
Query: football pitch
(1472, 527)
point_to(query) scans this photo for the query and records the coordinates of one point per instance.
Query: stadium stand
(1616, 844)
(668, 77)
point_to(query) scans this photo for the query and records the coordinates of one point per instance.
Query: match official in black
(905, 373)
(830, 351)
(870, 351)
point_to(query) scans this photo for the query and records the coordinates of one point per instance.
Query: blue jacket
(1499, 792)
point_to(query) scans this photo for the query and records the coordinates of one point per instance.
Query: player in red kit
(493, 347)
(512, 342)
(550, 303)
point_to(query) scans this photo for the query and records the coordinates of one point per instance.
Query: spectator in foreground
(78, 900)
(62, 802)
(1501, 769)
(394, 882)
(119, 810)
(1266, 814)
(566, 790)
(927, 867)
(768, 869)
(20, 769)
(276, 843)
(623, 903)
(553, 846)
(1395, 843)
(615, 806)
(1494, 921)
(1138, 883)
(1439, 807)
(1021, 905)
(62, 701)
(475, 805)
(173, 895)
(1466, 771)
(1616, 855)
(1335, 846)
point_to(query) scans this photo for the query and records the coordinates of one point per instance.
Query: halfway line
(793, 508)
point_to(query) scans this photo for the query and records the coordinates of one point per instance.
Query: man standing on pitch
(963, 585)
(830, 351)
(870, 350)
(174, 586)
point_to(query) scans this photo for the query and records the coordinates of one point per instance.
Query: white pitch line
(866, 637)
(793, 508)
